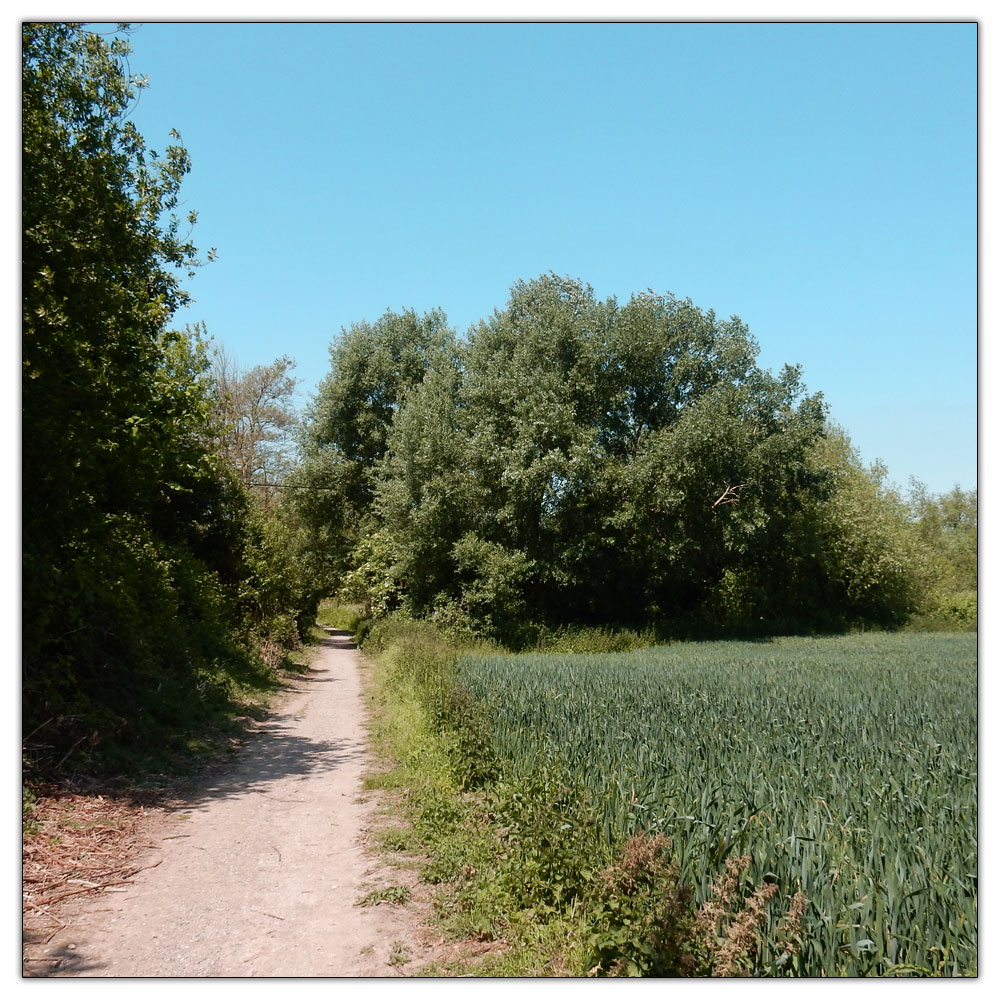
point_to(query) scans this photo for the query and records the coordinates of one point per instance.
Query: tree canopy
(577, 461)
(254, 415)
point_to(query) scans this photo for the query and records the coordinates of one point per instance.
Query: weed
(397, 840)
(29, 803)
(399, 954)
(395, 894)
(641, 916)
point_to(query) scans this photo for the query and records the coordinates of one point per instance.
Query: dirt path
(261, 874)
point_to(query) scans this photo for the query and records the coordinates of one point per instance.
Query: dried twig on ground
(81, 844)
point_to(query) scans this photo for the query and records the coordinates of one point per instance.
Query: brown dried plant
(729, 925)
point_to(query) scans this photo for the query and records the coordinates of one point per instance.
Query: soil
(258, 874)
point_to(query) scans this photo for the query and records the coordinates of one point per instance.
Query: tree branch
(731, 495)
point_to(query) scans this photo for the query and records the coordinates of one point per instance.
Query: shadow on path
(276, 750)
(311, 734)
(64, 961)
(339, 639)
(271, 756)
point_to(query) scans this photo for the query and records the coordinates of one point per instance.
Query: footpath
(260, 874)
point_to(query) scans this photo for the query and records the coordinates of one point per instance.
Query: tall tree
(598, 462)
(949, 525)
(254, 414)
(572, 460)
(100, 253)
(374, 367)
(137, 585)
(858, 556)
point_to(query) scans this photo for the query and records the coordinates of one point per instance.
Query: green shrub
(549, 850)
(582, 639)
(954, 612)
(456, 712)
(641, 918)
(492, 580)
(29, 803)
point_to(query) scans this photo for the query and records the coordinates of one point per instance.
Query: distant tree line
(573, 461)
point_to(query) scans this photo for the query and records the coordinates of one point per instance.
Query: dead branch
(731, 495)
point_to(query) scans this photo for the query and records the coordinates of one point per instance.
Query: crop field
(845, 767)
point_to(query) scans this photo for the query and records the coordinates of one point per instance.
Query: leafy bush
(950, 612)
(492, 582)
(641, 918)
(371, 580)
(275, 601)
(549, 848)
(456, 712)
(29, 803)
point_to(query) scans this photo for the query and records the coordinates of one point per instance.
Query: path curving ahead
(260, 875)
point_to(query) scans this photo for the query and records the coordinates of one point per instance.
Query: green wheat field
(845, 767)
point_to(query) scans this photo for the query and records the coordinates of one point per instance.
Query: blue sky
(817, 179)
